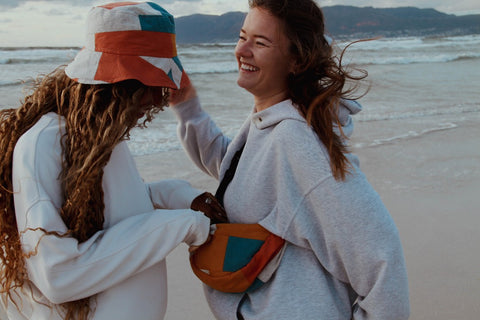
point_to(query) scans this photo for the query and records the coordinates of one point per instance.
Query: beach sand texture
(429, 180)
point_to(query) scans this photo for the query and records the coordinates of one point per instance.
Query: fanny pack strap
(228, 177)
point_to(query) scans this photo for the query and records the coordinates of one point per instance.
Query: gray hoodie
(343, 258)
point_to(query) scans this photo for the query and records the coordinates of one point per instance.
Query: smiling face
(263, 58)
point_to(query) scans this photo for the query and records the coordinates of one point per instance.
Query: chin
(242, 83)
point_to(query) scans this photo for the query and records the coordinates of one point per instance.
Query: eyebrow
(258, 36)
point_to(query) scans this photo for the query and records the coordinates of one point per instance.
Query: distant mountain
(200, 28)
(341, 22)
(391, 22)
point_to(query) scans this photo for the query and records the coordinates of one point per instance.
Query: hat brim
(91, 67)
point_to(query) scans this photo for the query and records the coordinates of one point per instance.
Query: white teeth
(248, 67)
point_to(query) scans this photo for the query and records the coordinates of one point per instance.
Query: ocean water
(416, 86)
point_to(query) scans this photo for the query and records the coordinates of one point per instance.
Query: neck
(262, 103)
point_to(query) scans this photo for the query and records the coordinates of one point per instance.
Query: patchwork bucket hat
(238, 257)
(129, 40)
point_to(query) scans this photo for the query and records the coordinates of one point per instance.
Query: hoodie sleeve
(354, 237)
(64, 269)
(201, 138)
(344, 223)
(173, 194)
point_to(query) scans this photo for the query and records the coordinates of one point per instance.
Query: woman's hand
(181, 95)
(209, 205)
(192, 249)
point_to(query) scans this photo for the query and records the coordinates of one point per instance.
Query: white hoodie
(343, 258)
(122, 266)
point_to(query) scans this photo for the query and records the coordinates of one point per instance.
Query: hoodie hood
(274, 114)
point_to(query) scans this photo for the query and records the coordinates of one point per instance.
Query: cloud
(83, 3)
(18, 3)
(55, 12)
(8, 3)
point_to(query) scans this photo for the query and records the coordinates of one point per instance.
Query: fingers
(192, 249)
(180, 95)
(209, 205)
(220, 217)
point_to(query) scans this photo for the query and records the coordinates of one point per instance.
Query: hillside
(342, 22)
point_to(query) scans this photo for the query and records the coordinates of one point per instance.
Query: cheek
(280, 66)
(237, 57)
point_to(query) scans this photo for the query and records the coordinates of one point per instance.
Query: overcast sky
(61, 22)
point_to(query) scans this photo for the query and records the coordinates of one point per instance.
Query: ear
(293, 68)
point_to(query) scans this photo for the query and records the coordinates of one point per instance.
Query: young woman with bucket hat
(82, 235)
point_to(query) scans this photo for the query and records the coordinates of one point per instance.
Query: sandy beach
(418, 141)
(431, 187)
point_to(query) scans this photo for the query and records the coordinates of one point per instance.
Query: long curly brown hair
(320, 80)
(97, 118)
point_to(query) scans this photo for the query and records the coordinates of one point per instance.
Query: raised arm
(201, 138)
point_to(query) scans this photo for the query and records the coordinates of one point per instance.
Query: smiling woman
(296, 177)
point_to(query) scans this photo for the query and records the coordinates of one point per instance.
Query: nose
(242, 49)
